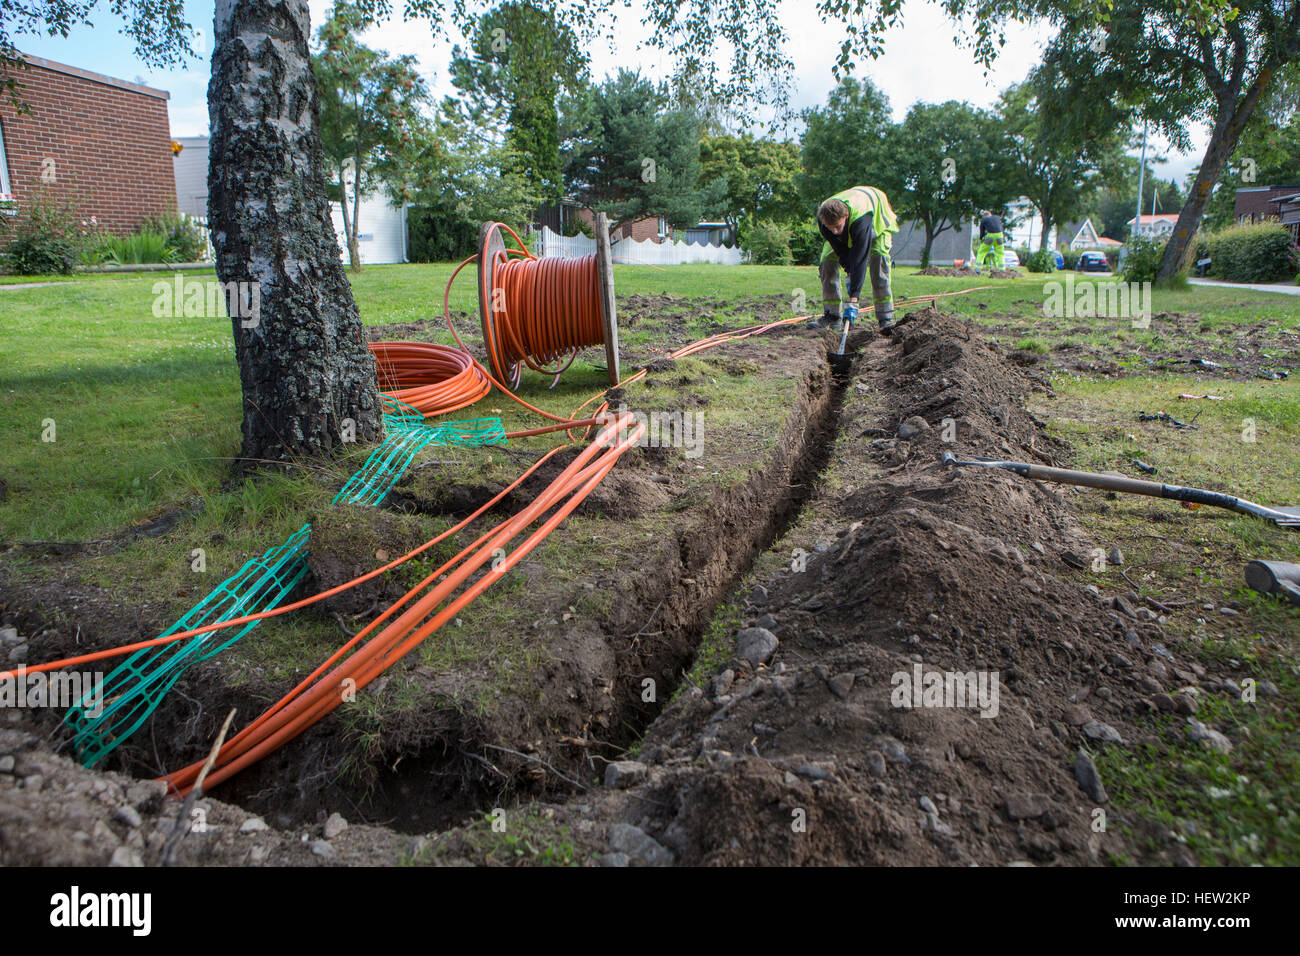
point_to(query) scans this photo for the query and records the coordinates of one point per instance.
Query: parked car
(1092, 262)
(1009, 259)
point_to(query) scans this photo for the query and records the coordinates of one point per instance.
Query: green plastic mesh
(133, 689)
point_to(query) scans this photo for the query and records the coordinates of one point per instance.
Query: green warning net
(103, 719)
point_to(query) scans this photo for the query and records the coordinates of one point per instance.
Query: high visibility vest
(867, 200)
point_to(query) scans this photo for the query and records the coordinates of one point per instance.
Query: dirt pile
(818, 748)
(963, 272)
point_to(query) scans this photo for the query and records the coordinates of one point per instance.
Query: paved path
(1284, 289)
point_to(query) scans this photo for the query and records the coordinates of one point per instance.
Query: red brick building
(1258, 203)
(101, 143)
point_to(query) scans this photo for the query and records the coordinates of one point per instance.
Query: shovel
(1275, 577)
(841, 363)
(1284, 517)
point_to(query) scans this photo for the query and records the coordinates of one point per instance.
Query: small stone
(767, 621)
(722, 683)
(1184, 704)
(1103, 693)
(7, 763)
(1208, 737)
(1076, 715)
(1228, 612)
(614, 859)
(623, 774)
(257, 854)
(1115, 556)
(125, 856)
(128, 815)
(1269, 689)
(253, 825)
(324, 850)
(1027, 806)
(1164, 703)
(33, 782)
(894, 751)
(912, 427)
(876, 763)
(842, 684)
(756, 645)
(638, 845)
(1104, 732)
(18, 655)
(146, 795)
(1121, 604)
(9, 636)
(1085, 772)
(927, 805)
(335, 825)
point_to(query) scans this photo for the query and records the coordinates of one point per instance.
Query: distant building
(1153, 227)
(1288, 214)
(101, 144)
(1084, 235)
(381, 239)
(1257, 203)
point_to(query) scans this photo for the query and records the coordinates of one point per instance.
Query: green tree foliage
(370, 115)
(760, 176)
(639, 157)
(947, 163)
(522, 59)
(1061, 147)
(845, 142)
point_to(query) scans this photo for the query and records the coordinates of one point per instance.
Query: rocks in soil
(1208, 737)
(912, 427)
(1099, 730)
(638, 845)
(623, 774)
(335, 825)
(756, 645)
(1085, 772)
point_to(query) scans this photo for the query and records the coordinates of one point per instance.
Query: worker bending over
(858, 226)
(990, 241)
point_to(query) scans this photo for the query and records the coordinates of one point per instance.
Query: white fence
(638, 252)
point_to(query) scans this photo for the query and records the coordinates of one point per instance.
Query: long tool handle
(1133, 486)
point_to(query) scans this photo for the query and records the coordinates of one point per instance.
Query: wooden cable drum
(536, 312)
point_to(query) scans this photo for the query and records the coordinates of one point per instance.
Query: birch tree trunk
(308, 377)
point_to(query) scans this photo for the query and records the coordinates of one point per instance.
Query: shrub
(806, 242)
(1044, 260)
(439, 234)
(183, 235)
(1071, 257)
(47, 238)
(141, 248)
(578, 227)
(768, 244)
(1253, 253)
(1142, 258)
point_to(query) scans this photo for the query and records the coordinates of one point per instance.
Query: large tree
(1178, 63)
(308, 377)
(845, 143)
(947, 164)
(1061, 148)
(760, 176)
(370, 116)
(641, 157)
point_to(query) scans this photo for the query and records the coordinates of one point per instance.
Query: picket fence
(637, 251)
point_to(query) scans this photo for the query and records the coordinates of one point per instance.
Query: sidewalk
(1274, 287)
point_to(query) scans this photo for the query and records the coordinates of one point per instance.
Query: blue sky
(921, 63)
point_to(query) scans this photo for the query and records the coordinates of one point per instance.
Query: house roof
(1158, 217)
(95, 77)
(1108, 241)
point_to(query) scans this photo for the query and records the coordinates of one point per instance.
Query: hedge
(1253, 253)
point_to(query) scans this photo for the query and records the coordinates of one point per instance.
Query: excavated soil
(966, 272)
(797, 755)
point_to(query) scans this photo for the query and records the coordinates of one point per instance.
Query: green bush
(768, 244)
(48, 238)
(183, 235)
(578, 227)
(1142, 259)
(1071, 257)
(439, 234)
(806, 242)
(1044, 260)
(1253, 253)
(141, 248)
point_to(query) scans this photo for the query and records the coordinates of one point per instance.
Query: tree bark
(1228, 128)
(303, 360)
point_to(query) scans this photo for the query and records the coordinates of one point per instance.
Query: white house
(1087, 237)
(1024, 226)
(1156, 227)
(382, 237)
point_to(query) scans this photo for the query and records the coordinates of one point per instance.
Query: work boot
(822, 323)
(887, 327)
(836, 325)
